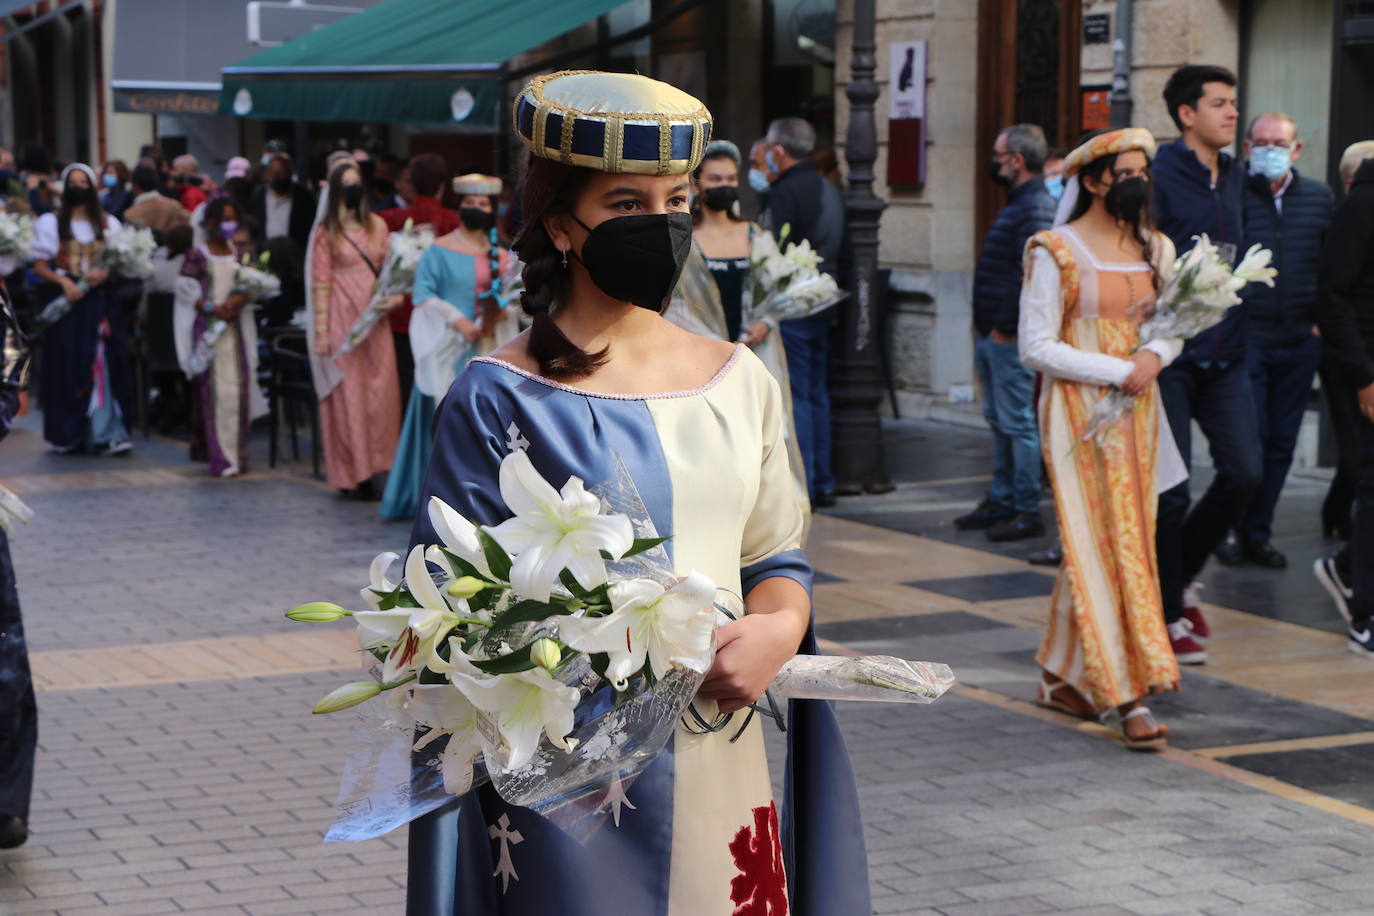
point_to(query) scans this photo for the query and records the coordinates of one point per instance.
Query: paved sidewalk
(180, 770)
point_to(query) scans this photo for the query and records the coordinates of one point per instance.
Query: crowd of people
(1067, 275)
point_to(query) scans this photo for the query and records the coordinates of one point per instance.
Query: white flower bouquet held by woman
(553, 655)
(128, 252)
(406, 247)
(258, 284)
(16, 235)
(785, 283)
(1195, 296)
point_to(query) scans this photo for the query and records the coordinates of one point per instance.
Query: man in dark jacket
(1198, 189)
(1011, 509)
(1345, 315)
(1288, 214)
(812, 209)
(283, 206)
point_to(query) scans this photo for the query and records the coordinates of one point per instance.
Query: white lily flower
(1254, 267)
(459, 536)
(668, 627)
(553, 530)
(447, 711)
(377, 580)
(523, 706)
(413, 633)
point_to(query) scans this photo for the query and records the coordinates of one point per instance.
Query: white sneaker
(118, 448)
(1192, 594)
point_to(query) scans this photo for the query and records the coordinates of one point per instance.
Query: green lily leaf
(497, 558)
(519, 660)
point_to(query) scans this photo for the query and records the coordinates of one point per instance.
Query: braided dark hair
(550, 188)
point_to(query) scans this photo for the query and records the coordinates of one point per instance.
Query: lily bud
(465, 587)
(317, 612)
(546, 654)
(346, 696)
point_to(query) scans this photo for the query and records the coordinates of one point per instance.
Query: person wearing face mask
(714, 295)
(114, 193)
(1287, 213)
(428, 175)
(283, 206)
(462, 289)
(603, 385)
(1198, 188)
(1053, 172)
(225, 398)
(1089, 284)
(88, 345)
(1011, 508)
(150, 207)
(360, 416)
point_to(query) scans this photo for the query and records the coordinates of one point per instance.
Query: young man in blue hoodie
(1198, 188)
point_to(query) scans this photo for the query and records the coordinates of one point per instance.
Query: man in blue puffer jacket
(1288, 214)
(1198, 189)
(1011, 510)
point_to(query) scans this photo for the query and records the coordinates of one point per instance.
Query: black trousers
(1362, 533)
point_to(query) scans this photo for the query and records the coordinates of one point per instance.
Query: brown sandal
(1152, 743)
(1045, 697)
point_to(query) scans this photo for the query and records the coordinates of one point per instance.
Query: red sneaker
(1187, 650)
(1192, 612)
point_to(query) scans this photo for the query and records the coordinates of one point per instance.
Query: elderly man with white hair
(1345, 315)
(189, 182)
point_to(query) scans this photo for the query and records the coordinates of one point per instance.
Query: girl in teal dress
(460, 295)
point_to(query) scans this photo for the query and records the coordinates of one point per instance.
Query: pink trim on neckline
(535, 377)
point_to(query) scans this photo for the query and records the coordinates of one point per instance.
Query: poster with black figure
(906, 161)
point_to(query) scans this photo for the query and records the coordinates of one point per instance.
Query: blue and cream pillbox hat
(476, 183)
(612, 122)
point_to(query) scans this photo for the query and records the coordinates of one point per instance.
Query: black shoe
(985, 516)
(1361, 637)
(13, 831)
(1335, 578)
(824, 500)
(1020, 526)
(1052, 557)
(1229, 552)
(1264, 554)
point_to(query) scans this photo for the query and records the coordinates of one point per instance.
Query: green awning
(418, 61)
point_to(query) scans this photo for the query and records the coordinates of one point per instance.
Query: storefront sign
(906, 86)
(1097, 29)
(167, 102)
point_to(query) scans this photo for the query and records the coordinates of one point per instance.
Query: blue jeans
(1281, 382)
(1009, 408)
(807, 341)
(1218, 397)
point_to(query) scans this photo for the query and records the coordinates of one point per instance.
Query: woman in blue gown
(601, 382)
(460, 299)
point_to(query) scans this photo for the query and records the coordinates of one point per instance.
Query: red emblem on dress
(761, 887)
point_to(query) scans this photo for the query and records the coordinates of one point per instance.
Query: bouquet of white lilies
(127, 251)
(553, 654)
(398, 276)
(16, 235)
(258, 284)
(787, 283)
(1194, 297)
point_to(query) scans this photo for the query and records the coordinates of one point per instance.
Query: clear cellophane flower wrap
(785, 281)
(865, 678)
(1195, 296)
(404, 250)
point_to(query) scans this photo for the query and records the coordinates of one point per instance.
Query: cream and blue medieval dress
(699, 833)
(448, 283)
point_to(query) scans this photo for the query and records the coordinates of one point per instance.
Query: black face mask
(995, 170)
(353, 196)
(74, 197)
(282, 185)
(476, 219)
(638, 258)
(721, 197)
(1126, 198)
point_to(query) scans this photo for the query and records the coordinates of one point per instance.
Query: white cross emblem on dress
(514, 438)
(505, 868)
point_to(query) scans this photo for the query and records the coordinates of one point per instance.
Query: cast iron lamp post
(857, 448)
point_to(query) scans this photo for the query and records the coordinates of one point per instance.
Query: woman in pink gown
(360, 418)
